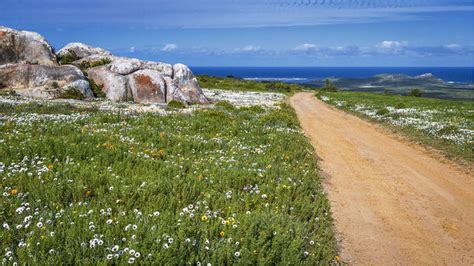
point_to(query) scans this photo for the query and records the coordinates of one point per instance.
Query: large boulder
(77, 52)
(125, 66)
(185, 86)
(43, 81)
(147, 86)
(25, 47)
(115, 86)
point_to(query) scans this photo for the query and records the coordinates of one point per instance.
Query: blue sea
(306, 74)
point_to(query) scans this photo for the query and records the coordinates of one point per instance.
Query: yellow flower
(13, 192)
(162, 135)
(200, 177)
(227, 222)
(221, 233)
(269, 166)
(204, 218)
(50, 166)
(337, 259)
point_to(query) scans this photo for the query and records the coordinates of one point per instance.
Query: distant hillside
(430, 85)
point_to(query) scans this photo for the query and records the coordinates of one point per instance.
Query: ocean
(306, 74)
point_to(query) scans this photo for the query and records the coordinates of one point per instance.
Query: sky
(259, 32)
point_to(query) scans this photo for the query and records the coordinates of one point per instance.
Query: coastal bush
(68, 58)
(71, 94)
(329, 86)
(176, 104)
(383, 111)
(416, 93)
(215, 186)
(225, 104)
(84, 66)
(8, 93)
(96, 89)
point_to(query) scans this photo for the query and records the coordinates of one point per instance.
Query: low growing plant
(176, 104)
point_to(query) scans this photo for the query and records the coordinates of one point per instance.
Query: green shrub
(68, 59)
(416, 93)
(8, 93)
(55, 85)
(176, 104)
(383, 111)
(226, 105)
(400, 105)
(96, 89)
(84, 66)
(329, 86)
(71, 94)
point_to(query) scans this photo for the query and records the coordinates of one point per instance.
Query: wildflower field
(220, 186)
(447, 125)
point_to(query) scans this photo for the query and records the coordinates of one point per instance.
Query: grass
(445, 125)
(81, 185)
(232, 83)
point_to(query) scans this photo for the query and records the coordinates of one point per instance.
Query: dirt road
(393, 202)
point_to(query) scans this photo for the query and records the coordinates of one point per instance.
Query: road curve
(393, 202)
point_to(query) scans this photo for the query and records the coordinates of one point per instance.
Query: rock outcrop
(76, 51)
(25, 47)
(30, 67)
(43, 81)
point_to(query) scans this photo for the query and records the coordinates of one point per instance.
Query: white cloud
(249, 48)
(391, 45)
(132, 49)
(169, 47)
(306, 47)
(453, 46)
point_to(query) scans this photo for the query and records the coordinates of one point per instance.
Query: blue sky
(260, 33)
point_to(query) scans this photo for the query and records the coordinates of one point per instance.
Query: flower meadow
(444, 124)
(217, 186)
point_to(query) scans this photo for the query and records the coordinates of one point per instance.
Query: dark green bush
(68, 59)
(84, 66)
(96, 89)
(226, 105)
(400, 105)
(176, 104)
(329, 86)
(383, 111)
(416, 93)
(71, 94)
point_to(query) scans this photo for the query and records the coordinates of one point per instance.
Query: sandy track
(393, 202)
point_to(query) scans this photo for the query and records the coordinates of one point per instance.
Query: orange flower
(161, 152)
(14, 191)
